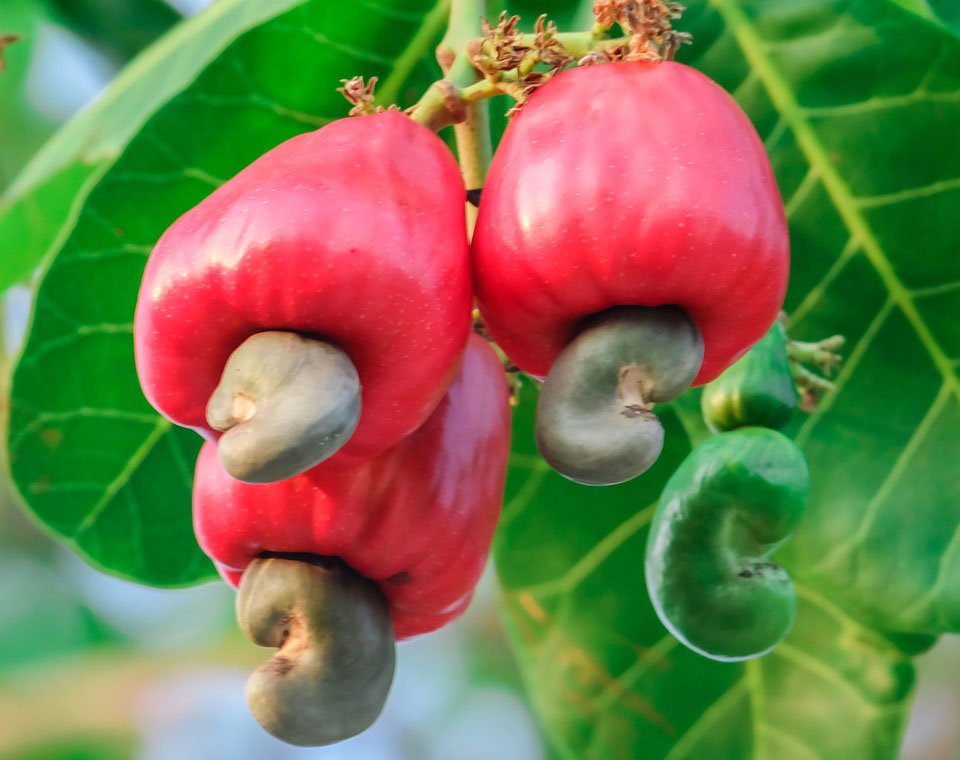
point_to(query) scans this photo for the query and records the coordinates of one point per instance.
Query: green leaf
(946, 12)
(22, 129)
(856, 170)
(119, 28)
(93, 461)
(859, 105)
(41, 206)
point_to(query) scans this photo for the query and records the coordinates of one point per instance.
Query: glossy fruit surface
(354, 234)
(418, 520)
(629, 184)
(735, 499)
(758, 390)
(594, 419)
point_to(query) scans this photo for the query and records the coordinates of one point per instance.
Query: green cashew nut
(733, 501)
(336, 656)
(285, 403)
(757, 390)
(594, 420)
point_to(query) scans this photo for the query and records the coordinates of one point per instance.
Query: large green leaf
(93, 461)
(859, 105)
(41, 206)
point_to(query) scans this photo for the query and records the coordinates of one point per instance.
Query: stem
(449, 101)
(821, 353)
(808, 382)
(578, 44)
(474, 147)
(465, 17)
(475, 151)
(434, 108)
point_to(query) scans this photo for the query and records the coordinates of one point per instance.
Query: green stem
(452, 100)
(807, 380)
(822, 354)
(464, 25)
(474, 147)
(578, 44)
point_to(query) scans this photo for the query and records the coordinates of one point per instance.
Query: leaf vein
(846, 547)
(599, 552)
(818, 291)
(826, 673)
(846, 372)
(707, 719)
(123, 477)
(881, 102)
(758, 56)
(908, 194)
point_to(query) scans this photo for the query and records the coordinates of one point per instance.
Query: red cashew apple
(347, 247)
(617, 191)
(414, 524)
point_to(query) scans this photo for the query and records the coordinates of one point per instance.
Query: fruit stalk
(474, 146)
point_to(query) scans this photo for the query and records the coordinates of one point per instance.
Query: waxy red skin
(354, 233)
(629, 184)
(419, 519)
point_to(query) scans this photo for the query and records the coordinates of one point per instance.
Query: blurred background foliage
(94, 667)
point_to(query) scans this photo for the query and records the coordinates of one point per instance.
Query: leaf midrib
(753, 47)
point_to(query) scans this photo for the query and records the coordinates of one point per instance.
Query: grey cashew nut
(595, 423)
(336, 655)
(285, 403)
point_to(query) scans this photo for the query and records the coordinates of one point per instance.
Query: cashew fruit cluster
(410, 529)
(311, 319)
(348, 241)
(725, 511)
(631, 239)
